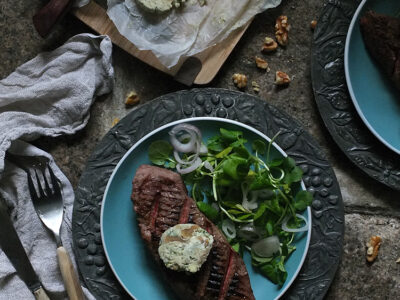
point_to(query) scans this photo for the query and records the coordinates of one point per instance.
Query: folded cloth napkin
(47, 96)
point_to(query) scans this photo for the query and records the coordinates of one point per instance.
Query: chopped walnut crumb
(281, 78)
(373, 247)
(269, 45)
(115, 121)
(240, 80)
(261, 63)
(313, 24)
(282, 28)
(132, 98)
(256, 87)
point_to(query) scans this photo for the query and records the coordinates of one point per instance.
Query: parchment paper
(183, 32)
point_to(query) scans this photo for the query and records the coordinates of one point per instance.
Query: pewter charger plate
(326, 242)
(333, 100)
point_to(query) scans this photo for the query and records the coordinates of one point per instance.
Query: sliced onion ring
(184, 162)
(208, 166)
(191, 132)
(189, 168)
(228, 228)
(301, 229)
(267, 247)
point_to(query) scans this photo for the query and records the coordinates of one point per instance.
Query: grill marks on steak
(160, 201)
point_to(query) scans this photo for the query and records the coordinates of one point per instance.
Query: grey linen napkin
(48, 96)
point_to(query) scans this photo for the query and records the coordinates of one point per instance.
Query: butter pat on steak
(161, 201)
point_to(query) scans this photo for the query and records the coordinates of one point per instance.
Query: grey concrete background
(371, 208)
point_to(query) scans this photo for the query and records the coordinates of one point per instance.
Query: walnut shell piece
(256, 86)
(373, 247)
(281, 78)
(269, 45)
(132, 99)
(261, 63)
(282, 28)
(114, 122)
(240, 80)
(313, 24)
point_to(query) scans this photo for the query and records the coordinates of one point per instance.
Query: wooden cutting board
(212, 59)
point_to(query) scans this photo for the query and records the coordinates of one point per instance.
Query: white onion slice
(228, 228)
(266, 247)
(252, 204)
(208, 166)
(301, 229)
(249, 232)
(189, 168)
(184, 162)
(189, 131)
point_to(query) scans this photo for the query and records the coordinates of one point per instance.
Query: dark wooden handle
(49, 15)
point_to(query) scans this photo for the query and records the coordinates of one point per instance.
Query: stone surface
(371, 208)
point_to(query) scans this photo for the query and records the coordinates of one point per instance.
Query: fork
(48, 204)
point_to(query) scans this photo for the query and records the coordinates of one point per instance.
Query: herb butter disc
(185, 247)
(159, 6)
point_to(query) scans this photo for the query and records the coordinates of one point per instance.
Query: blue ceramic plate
(125, 251)
(373, 94)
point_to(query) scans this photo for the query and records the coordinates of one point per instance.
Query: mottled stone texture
(370, 207)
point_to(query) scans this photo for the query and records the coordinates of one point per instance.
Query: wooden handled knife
(12, 247)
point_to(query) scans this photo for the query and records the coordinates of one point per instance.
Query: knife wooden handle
(40, 294)
(45, 19)
(69, 275)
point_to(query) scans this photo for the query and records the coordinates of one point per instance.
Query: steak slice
(160, 201)
(381, 34)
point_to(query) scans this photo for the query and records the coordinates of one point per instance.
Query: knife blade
(12, 247)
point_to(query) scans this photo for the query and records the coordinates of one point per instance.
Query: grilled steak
(381, 34)
(160, 201)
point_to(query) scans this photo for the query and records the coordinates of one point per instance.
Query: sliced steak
(160, 201)
(381, 34)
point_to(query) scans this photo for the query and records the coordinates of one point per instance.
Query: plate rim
(223, 120)
(348, 79)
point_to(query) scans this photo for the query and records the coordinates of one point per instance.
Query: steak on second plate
(381, 34)
(160, 201)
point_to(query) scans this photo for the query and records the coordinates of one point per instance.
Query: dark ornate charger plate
(334, 102)
(326, 243)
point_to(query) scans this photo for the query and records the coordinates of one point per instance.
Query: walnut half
(373, 247)
(269, 45)
(281, 78)
(261, 63)
(282, 28)
(132, 99)
(240, 80)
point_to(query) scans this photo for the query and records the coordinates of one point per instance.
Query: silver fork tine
(54, 182)
(46, 183)
(41, 192)
(31, 186)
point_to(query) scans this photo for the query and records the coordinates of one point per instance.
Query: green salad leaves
(249, 196)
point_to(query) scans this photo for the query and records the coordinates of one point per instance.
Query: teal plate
(376, 99)
(125, 251)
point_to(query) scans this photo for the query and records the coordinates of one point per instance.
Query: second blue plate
(376, 99)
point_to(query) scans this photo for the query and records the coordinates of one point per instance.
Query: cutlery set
(46, 195)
